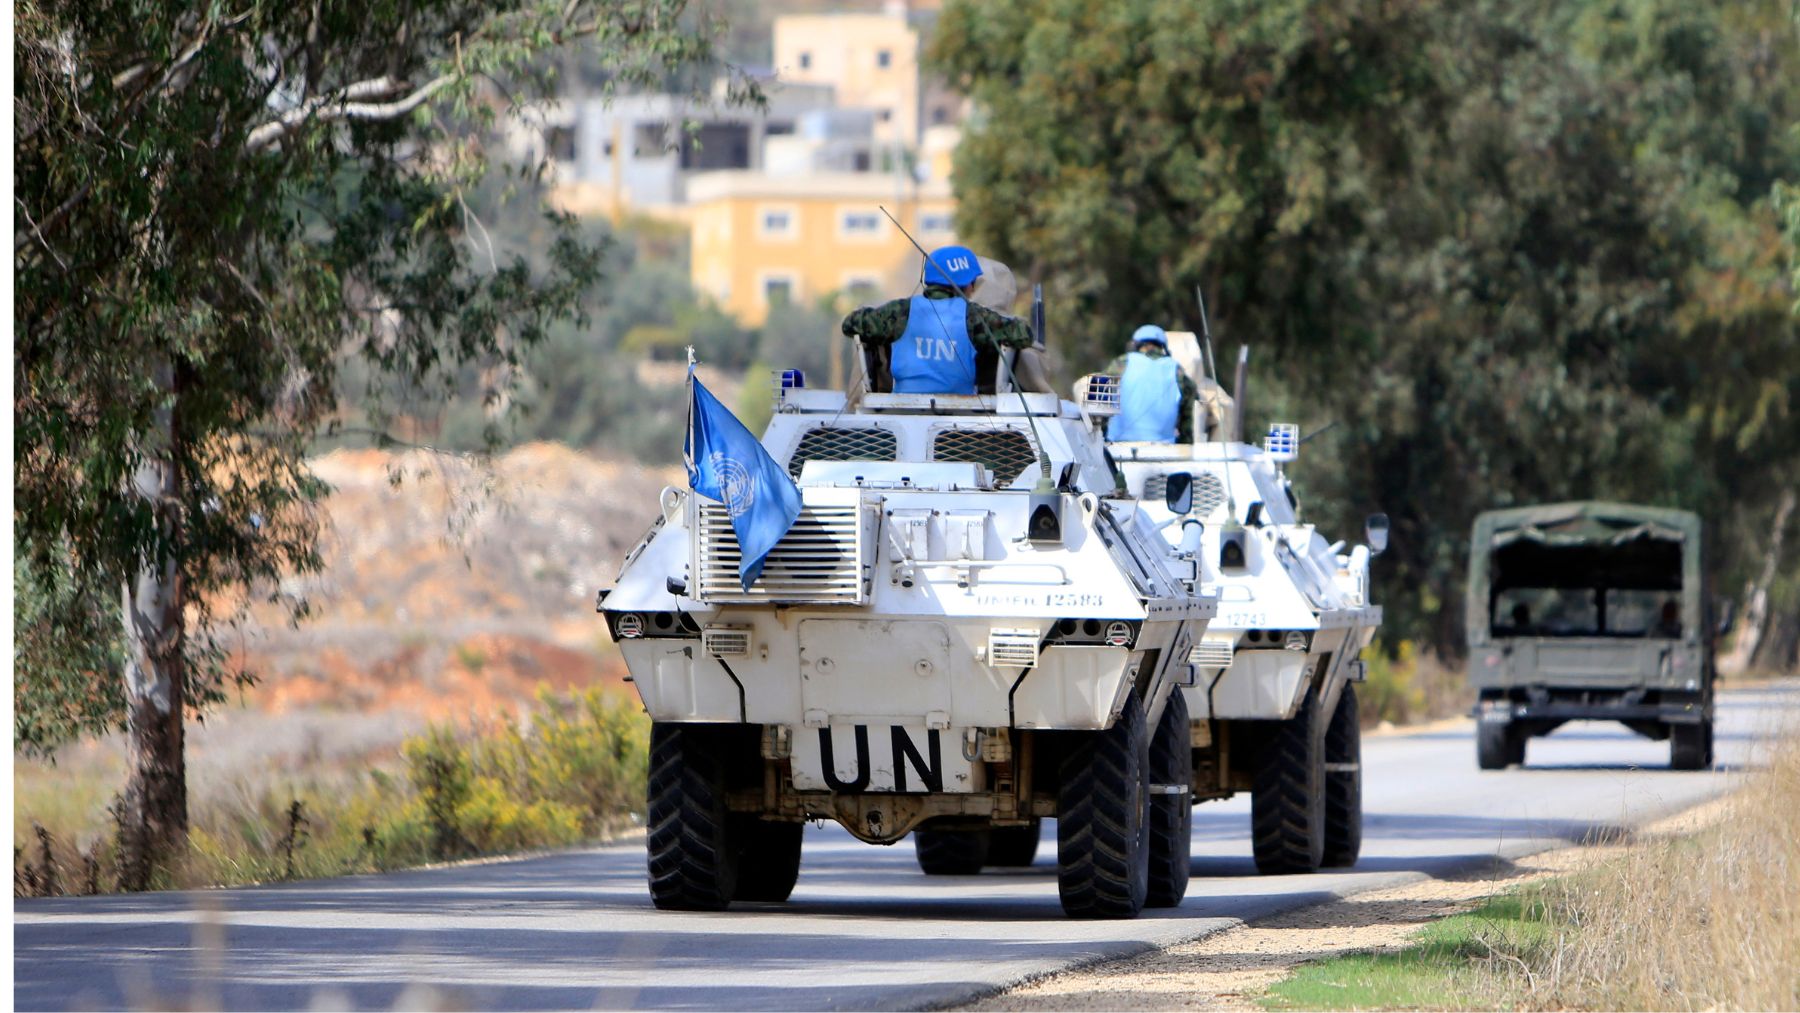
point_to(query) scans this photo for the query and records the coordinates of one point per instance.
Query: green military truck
(1589, 611)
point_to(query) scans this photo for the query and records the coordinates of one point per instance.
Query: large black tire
(951, 852)
(1171, 815)
(1014, 847)
(693, 860)
(1343, 784)
(1498, 745)
(1690, 746)
(1102, 838)
(768, 858)
(1287, 795)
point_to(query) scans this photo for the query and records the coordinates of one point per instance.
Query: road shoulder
(1229, 969)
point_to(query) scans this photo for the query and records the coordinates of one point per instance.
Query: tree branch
(345, 104)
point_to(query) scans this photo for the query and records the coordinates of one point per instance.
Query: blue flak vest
(1149, 400)
(935, 355)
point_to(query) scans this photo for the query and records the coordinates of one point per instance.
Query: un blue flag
(726, 463)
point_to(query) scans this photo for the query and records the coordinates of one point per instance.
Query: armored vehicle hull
(944, 644)
(1273, 704)
(1272, 707)
(1589, 611)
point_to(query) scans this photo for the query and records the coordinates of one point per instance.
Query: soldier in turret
(933, 335)
(1156, 398)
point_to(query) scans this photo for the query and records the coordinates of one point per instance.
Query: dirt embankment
(456, 589)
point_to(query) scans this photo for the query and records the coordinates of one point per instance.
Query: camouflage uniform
(885, 324)
(1184, 417)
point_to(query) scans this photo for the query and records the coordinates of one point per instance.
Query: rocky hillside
(454, 588)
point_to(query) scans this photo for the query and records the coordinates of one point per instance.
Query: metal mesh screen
(828, 444)
(1005, 452)
(1209, 493)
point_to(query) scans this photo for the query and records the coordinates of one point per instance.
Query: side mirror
(1726, 610)
(1375, 533)
(1179, 493)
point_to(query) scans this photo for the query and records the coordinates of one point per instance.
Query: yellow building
(759, 239)
(871, 59)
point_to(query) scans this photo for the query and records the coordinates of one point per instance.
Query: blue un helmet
(952, 265)
(1150, 333)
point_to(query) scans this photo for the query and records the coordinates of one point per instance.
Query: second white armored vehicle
(1273, 706)
(966, 631)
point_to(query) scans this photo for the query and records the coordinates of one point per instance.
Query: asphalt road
(864, 929)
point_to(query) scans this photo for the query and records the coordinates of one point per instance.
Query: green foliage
(1465, 961)
(1518, 253)
(67, 656)
(226, 217)
(798, 336)
(573, 770)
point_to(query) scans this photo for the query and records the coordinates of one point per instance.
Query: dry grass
(1704, 922)
(297, 796)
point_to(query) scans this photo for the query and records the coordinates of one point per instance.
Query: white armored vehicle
(965, 631)
(1273, 705)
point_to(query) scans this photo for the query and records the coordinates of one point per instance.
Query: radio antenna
(1212, 368)
(1044, 483)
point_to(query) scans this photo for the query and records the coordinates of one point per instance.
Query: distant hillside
(458, 589)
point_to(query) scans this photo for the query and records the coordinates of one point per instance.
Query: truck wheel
(951, 852)
(768, 858)
(1287, 795)
(1497, 745)
(1690, 746)
(1171, 815)
(1343, 784)
(1014, 847)
(693, 860)
(1102, 843)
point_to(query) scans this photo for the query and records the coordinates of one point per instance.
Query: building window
(862, 288)
(777, 222)
(805, 60)
(561, 142)
(935, 221)
(779, 289)
(860, 224)
(884, 58)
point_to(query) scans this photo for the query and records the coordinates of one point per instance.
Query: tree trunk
(1752, 624)
(152, 813)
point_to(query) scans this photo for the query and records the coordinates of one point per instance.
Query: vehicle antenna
(1044, 484)
(1212, 368)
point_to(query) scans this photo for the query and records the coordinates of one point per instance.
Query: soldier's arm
(883, 324)
(992, 329)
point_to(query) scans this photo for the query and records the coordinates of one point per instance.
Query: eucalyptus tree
(217, 207)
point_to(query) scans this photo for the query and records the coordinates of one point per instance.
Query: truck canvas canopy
(1541, 563)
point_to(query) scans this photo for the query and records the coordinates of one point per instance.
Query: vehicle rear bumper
(1667, 712)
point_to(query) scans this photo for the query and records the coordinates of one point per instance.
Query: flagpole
(687, 445)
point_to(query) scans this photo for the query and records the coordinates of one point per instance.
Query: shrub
(572, 770)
